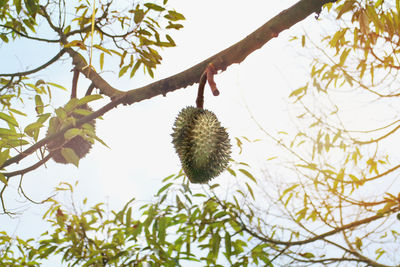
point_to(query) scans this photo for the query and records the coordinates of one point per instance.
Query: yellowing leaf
(102, 49)
(248, 175)
(123, 70)
(8, 119)
(39, 104)
(71, 133)
(3, 179)
(101, 61)
(77, 43)
(70, 156)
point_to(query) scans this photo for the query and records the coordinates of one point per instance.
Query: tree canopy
(338, 204)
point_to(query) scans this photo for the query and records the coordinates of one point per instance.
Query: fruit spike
(78, 144)
(201, 143)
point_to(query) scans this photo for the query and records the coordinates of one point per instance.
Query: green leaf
(123, 70)
(47, 251)
(358, 243)
(4, 155)
(101, 61)
(60, 112)
(135, 67)
(300, 92)
(8, 132)
(3, 179)
(154, 7)
(67, 29)
(88, 98)
(344, 56)
(228, 244)
(398, 6)
(102, 49)
(101, 141)
(162, 225)
(302, 213)
(32, 128)
(82, 111)
(17, 112)
(307, 255)
(18, 6)
(248, 175)
(4, 38)
(39, 104)
(11, 143)
(347, 6)
(58, 86)
(32, 7)
(170, 40)
(232, 172)
(71, 105)
(71, 133)
(378, 3)
(174, 16)
(287, 190)
(139, 15)
(250, 191)
(163, 188)
(128, 217)
(70, 156)
(8, 119)
(175, 26)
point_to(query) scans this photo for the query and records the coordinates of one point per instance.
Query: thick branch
(91, 74)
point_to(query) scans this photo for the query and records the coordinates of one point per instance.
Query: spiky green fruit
(201, 143)
(81, 145)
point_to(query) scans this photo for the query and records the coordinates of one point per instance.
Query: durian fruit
(201, 143)
(80, 145)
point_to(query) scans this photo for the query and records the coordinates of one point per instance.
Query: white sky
(141, 152)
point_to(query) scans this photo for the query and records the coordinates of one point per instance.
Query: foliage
(134, 35)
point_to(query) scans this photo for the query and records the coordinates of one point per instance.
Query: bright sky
(141, 153)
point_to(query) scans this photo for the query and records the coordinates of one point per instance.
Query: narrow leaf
(70, 156)
(8, 119)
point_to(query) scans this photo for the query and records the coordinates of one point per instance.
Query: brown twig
(74, 83)
(29, 37)
(23, 73)
(200, 92)
(90, 89)
(28, 169)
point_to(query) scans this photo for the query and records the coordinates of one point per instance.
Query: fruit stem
(208, 75)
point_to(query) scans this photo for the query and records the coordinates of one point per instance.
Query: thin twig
(23, 73)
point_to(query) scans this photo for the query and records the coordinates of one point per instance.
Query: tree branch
(23, 73)
(30, 168)
(29, 37)
(321, 236)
